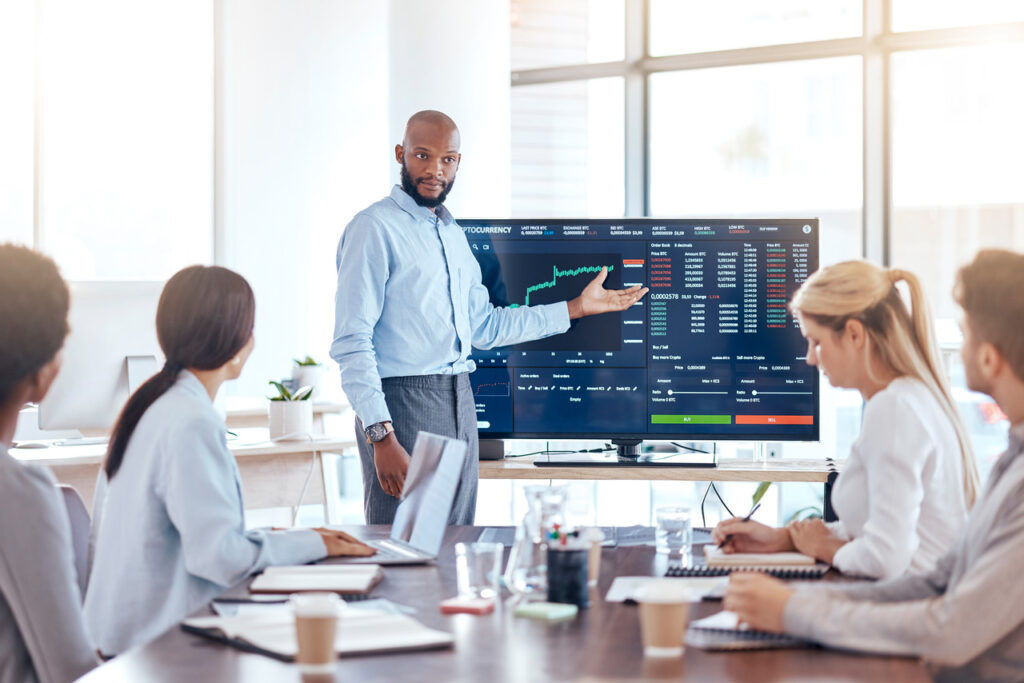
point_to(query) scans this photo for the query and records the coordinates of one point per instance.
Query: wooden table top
(603, 643)
(784, 469)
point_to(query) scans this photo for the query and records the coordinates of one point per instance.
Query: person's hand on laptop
(340, 544)
(392, 462)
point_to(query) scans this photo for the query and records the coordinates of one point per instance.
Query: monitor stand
(627, 454)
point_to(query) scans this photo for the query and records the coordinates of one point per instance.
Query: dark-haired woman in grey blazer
(42, 633)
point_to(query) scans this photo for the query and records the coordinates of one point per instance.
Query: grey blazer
(42, 632)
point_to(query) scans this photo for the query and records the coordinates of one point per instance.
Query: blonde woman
(910, 478)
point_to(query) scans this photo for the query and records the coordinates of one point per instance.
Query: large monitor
(711, 352)
(110, 351)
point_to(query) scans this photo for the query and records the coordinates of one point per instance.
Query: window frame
(876, 45)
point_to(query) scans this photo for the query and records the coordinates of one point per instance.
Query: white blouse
(900, 497)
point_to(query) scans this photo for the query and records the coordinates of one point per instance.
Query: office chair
(78, 516)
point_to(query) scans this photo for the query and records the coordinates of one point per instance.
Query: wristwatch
(378, 432)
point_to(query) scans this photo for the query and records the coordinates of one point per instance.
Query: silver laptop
(427, 496)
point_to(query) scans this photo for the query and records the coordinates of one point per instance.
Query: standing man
(410, 306)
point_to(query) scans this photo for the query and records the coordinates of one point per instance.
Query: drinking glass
(673, 534)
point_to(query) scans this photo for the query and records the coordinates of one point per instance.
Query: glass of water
(477, 569)
(673, 534)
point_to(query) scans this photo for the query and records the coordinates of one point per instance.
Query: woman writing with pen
(903, 495)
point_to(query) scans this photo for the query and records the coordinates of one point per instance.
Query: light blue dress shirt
(410, 301)
(169, 529)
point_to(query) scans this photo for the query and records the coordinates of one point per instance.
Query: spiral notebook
(722, 631)
(780, 565)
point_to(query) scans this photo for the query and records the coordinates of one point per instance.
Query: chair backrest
(78, 516)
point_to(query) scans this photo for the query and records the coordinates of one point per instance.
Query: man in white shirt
(965, 617)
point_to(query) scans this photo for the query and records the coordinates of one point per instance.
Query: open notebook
(722, 631)
(782, 565)
(359, 632)
(336, 578)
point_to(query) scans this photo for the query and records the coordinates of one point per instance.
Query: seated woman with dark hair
(168, 523)
(42, 634)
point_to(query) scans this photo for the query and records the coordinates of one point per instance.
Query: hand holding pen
(745, 536)
(750, 514)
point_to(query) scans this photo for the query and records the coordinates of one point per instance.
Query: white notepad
(337, 578)
(359, 631)
(628, 587)
(717, 558)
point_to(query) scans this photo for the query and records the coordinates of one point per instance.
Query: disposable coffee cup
(664, 610)
(316, 621)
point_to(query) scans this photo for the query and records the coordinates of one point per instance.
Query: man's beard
(430, 202)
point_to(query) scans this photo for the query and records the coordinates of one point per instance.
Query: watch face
(376, 432)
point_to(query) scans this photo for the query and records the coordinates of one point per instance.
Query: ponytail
(139, 402)
(936, 378)
(205, 317)
(903, 340)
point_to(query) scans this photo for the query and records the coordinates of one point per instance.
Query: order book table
(603, 642)
(823, 471)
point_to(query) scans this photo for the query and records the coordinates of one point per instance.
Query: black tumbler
(567, 576)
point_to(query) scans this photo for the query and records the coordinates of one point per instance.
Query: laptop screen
(429, 491)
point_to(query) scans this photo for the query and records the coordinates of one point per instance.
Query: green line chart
(555, 275)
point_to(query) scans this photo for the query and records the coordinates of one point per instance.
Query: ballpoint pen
(745, 519)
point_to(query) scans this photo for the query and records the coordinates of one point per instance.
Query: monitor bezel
(663, 436)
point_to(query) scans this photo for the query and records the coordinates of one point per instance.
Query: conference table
(602, 643)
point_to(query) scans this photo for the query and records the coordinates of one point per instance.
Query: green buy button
(691, 419)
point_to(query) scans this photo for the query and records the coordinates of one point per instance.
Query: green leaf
(285, 395)
(813, 509)
(762, 489)
(307, 361)
(303, 394)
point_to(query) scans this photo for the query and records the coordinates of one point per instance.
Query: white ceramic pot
(290, 420)
(309, 376)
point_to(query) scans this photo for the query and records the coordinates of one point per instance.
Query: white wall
(302, 146)
(454, 56)
(17, 93)
(312, 98)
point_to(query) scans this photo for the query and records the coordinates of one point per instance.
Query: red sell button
(774, 419)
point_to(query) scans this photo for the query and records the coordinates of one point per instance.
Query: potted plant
(290, 414)
(307, 372)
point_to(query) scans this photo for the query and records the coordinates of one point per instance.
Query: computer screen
(110, 351)
(712, 352)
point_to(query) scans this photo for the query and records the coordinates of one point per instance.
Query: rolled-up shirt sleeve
(363, 271)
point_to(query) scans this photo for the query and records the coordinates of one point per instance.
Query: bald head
(429, 155)
(429, 122)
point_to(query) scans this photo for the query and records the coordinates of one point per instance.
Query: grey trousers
(441, 404)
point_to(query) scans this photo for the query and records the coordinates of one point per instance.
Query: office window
(774, 140)
(916, 15)
(568, 149)
(688, 27)
(17, 93)
(126, 164)
(780, 140)
(546, 33)
(958, 160)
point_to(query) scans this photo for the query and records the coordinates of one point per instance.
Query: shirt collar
(409, 205)
(190, 383)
